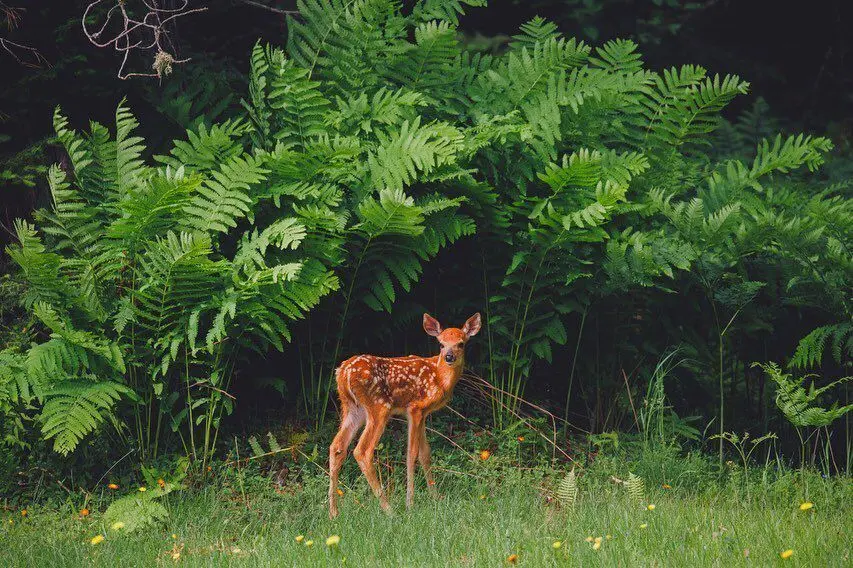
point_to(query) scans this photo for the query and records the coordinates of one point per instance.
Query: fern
(76, 408)
(447, 10)
(798, 404)
(636, 488)
(137, 511)
(810, 349)
(567, 490)
(415, 150)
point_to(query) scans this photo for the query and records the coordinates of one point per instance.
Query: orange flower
(341, 493)
(84, 512)
(485, 454)
(431, 482)
(666, 486)
(23, 512)
(521, 438)
(113, 486)
(512, 558)
(161, 483)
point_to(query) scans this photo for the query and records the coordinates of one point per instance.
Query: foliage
(798, 404)
(132, 286)
(636, 488)
(366, 154)
(567, 490)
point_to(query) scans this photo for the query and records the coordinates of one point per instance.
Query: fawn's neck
(448, 375)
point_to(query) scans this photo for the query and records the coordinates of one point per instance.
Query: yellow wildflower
(24, 512)
(483, 497)
(806, 506)
(609, 537)
(117, 526)
(598, 539)
(176, 555)
(786, 554)
(333, 540)
(113, 486)
(485, 454)
(556, 544)
(644, 526)
(143, 489)
(161, 483)
(650, 507)
(300, 538)
(596, 545)
(666, 486)
(589, 539)
(97, 539)
(174, 536)
(11, 522)
(309, 543)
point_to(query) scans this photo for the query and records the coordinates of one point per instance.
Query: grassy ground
(242, 520)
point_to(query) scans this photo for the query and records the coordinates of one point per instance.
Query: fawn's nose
(449, 358)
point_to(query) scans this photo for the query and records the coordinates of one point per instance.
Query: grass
(242, 520)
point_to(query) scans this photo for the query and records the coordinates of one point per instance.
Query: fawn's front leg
(416, 422)
(425, 459)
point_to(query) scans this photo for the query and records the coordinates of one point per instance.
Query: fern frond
(446, 10)
(74, 409)
(223, 197)
(567, 490)
(636, 488)
(136, 511)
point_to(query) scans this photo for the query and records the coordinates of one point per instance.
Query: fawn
(373, 388)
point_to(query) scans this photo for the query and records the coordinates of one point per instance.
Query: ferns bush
(372, 141)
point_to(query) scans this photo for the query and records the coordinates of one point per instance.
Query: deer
(372, 389)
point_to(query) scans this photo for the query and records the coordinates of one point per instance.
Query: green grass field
(242, 520)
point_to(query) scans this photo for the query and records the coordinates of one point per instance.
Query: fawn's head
(452, 339)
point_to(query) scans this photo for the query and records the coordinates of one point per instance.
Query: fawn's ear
(472, 326)
(431, 325)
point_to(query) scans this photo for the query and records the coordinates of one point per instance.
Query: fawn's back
(397, 383)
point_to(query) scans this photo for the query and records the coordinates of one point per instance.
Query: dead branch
(137, 34)
(23, 54)
(271, 8)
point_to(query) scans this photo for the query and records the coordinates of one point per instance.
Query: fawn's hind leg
(351, 420)
(363, 453)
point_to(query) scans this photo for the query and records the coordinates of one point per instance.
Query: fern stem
(574, 364)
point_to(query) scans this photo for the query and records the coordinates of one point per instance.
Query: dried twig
(23, 54)
(271, 8)
(145, 33)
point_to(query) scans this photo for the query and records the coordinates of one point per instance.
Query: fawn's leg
(416, 419)
(377, 418)
(425, 459)
(352, 419)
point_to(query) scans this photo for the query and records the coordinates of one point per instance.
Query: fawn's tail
(344, 387)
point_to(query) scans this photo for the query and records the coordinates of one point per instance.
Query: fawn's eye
(461, 344)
